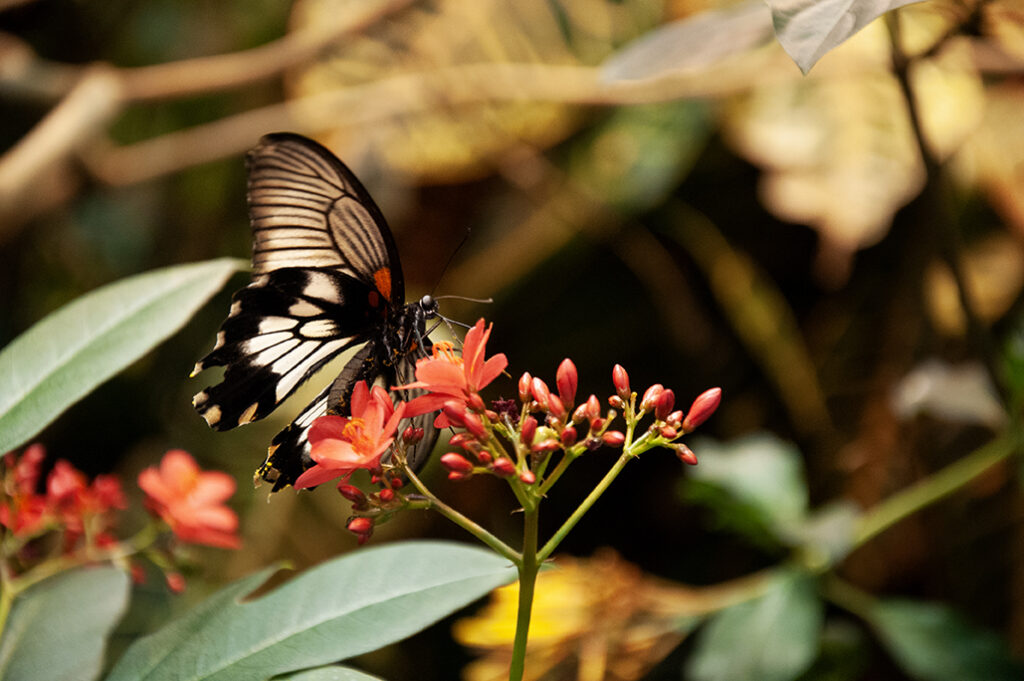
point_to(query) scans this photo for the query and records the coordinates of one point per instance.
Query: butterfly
(326, 277)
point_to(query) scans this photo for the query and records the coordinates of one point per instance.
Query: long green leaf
(70, 352)
(57, 629)
(771, 638)
(345, 607)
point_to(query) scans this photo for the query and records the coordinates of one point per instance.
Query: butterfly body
(326, 278)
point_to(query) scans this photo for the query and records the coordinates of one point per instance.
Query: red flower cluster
(342, 445)
(69, 503)
(191, 501)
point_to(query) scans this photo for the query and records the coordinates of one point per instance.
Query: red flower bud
(540, 392)
(455, 412)
(396, 483)
(566, 378)
(669, 433)
(569, 436)
(484, 456)
(474, 425)
(456, 462)
(555, 407)
(650, 395)
(580, 414)
(593, 408)
(596, 425)
(411, 435)
(664, 403)
(504, 467)
(464, 440)
(616, 402)
(614, 438)
(476, 403)
(548, 445)
(360, 525)
(352, 493)
(524, 386)
(703, 407)
(175, 582)
(686, 454)
(492, 415)
(386, 494)
(527, 477)
(527, 430)
(675, 419)
(456, 475)
(620, 379)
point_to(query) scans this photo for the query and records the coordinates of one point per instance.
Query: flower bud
(703, 407)
(456, 462)
(455, 412)
(386, 494)
(555, 407)
(360, 525)
(566, 378)
(593, 408)
(664, 403)
(484, 456)
(524, 387)
(675, 419)
(686, 454)
(568, 436)
(353, 494)
(175, 582)
(464, 440)
(411, 435)
(596, 425)
(540, 392)
(527, 477)
(616, 402)
(613, 438)
(669, 433)
(456, 475)
(547, 445)
(476, 403)
(527, 430)
(474, 425)
(580, 413)
(650, 395)
(503, 467)
(492, 415)
(620, 379)
(396, 483)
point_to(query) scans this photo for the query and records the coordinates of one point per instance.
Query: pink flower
(448, 377)
(342, 445)
(191, 501)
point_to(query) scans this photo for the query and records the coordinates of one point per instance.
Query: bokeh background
(690, 206)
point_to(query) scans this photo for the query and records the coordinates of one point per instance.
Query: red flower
(448, 377)
(191, 501)
(342, 445)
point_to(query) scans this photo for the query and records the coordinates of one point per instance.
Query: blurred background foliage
(846, 266)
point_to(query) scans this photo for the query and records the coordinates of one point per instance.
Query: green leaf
(752, 481)
(57, 629)
(933, 643)
(772, 638)
(344, 607)
(333, 673)
(70, 352)
(807, 29)
(692, 44)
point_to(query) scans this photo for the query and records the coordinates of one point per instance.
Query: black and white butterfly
(325, 278)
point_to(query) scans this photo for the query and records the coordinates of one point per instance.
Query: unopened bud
(669, 433)
(540, 392)
(527, 430)
(352, 493)
(579, 415)
(703, 407)
(664, 403)
(503, 467)
(524, 387)
(686, 454)
(411, 435)
(175, 582)
(456, 475)
(566, 379)
(484, 457)
(650, 395)
(456, 462)
(386, 494)
(568, 436)
(527, 477)
(593, 408)
(555, 407)
(474, 425)
(464, 440)
(455, 412)
(675, 419)
(620, 379)
(616, 402)
(596, 425)
(396, 483)
(360, 525)
(613, 438)
(548, 445)
(476, 403)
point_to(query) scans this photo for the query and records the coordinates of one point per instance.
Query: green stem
(528, 569)
(578, 514)
(940, 484)
(462, 521)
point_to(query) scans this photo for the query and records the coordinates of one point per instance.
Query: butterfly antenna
(450, 258)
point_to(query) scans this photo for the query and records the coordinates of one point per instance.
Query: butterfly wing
(325, 275)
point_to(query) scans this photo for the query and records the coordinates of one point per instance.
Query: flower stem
(528, 568)
(935, 487)
(578, 514)
(462, 521)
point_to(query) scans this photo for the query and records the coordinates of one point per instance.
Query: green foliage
(933, 643)
(328, 674)
(771, 638)
(72, 351)
(58, 628)
(344, 607)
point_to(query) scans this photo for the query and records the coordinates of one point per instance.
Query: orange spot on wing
(382, 280)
